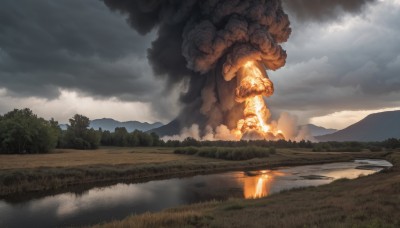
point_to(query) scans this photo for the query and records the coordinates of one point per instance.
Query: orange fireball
(253, 86)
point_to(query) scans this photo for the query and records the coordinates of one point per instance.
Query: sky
(64, 57)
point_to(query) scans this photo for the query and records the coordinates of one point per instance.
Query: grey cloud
(76, 45)
(80, 45)
(323, 10)
(72, 44)
(353, 66)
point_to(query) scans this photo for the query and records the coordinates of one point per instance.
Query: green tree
(392, 143)
(145, 139)
(78, 136)
(106, 138)
(121, 136)
(21, 131)
(156, 139)
(79, 125)
(133, 138)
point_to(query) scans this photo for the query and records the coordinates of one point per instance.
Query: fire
(253, 86)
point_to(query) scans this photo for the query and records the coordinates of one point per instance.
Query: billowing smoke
(208, 42)
(286, 122)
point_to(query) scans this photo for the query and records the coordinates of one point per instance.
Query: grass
(228, 153)
(67, 168)
(369, 201)
(175, 217)
(106, 155)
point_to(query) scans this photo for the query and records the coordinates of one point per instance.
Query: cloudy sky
(72, 56)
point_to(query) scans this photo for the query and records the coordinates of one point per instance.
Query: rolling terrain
(374, 127)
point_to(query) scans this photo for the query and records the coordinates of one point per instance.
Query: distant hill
(110, 125)
(317, 130)
(374, 127)
(172, 128)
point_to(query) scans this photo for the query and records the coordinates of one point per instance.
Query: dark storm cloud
(348, 65)
(71, 44)
(323, 10)
(81, 45)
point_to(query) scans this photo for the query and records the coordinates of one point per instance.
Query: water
(118, 201)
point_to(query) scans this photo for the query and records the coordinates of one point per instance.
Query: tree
(121, 136)
(79, 124)
(133, 138)
(156, 139)
(106, 138)
(21, 131)
(78, 136)
(392, 143)
(145, 139)
(190, 141)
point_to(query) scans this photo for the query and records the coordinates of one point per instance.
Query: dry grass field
(142, 155)
(103, 156)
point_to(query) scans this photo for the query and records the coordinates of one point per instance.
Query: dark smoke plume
(207, 42)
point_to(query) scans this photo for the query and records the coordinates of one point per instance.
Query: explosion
(253, 85)
(222, 50)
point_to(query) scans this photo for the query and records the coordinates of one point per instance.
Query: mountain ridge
(109, 124)
(375, 127)
(318, 130)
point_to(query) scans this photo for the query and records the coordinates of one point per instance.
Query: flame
(253, 86)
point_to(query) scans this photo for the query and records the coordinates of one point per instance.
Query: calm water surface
(118, 201)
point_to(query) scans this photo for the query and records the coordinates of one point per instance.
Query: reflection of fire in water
(253, 85)
(261, 189)
(259, 186)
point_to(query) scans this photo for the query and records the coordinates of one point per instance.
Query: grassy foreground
(370, 201)
(66, 168)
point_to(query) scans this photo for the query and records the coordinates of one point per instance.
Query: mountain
(317, 130)
(172, 128)
(374, 127)
(110, 125)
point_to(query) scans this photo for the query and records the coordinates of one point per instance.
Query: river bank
(21, 174)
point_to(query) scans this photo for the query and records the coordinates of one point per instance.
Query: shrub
(227, 153)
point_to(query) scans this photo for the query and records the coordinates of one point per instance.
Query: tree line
(22, 131)
(332, 146)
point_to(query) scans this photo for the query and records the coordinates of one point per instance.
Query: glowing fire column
(253, 85)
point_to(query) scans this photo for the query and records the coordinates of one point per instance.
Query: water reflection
(259, 185)
(118, 201)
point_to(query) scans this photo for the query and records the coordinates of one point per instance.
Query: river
(101, 204)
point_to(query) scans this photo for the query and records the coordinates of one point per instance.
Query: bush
(186, 150)
(347, 149)
(227, 153)
(375, 149)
